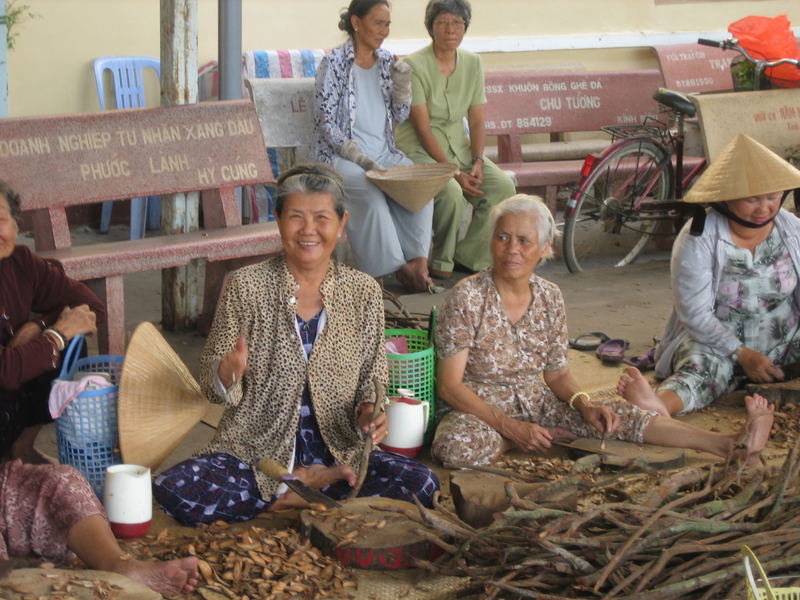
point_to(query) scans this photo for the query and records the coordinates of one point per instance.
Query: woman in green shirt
(447, 86)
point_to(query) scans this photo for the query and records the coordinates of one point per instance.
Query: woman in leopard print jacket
(295, 346)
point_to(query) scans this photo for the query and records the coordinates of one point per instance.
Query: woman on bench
(735, 285)
(362, 94)
(447, 87)
(41, 309)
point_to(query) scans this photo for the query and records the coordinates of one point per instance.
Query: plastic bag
(770, 39)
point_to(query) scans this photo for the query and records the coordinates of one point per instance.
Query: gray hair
(311, 178)
(526, 204)
(12, 198)
(460, 8)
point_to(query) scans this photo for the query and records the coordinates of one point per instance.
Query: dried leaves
(252, 563)
(536, 467)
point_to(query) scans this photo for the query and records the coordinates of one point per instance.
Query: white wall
(50, 69)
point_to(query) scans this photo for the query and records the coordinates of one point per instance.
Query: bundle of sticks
(397, 316)
(681, 539)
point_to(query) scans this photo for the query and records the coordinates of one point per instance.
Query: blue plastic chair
(127, 72)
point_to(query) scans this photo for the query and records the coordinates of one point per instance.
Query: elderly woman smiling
(296, 344)
(502, 348)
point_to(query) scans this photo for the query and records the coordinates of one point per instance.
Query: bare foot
(171, 578)
(414, 275)
(633, 386)
(760, 415)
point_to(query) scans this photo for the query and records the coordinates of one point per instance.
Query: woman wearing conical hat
(735, 272)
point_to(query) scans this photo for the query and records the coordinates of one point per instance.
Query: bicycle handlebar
(733, 44)
(707, 42)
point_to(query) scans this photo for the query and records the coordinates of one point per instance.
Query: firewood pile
(252, 563)
(676, 539)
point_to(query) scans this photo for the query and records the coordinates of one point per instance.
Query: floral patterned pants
(700, 377)
(462, 438)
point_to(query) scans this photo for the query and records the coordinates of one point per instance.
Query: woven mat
(408, 584)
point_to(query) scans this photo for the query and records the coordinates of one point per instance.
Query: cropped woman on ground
(501, 340)
(447, 86)
(295, 347)
(735, 285)
(51, 512)
(41, 309)
(362, 94)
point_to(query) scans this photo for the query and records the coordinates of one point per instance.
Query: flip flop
(643, 362)
(612, 350)
(589, 341)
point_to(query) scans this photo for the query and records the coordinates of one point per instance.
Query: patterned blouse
(262, 411)
(505, 359)
(335, 101)
(755, 298)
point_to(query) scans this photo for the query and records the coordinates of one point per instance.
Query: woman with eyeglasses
(448, 86)
(362, 93)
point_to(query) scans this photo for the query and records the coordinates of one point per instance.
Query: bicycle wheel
(616, 208)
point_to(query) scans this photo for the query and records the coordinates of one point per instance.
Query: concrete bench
(68, 161)
(692, 68)
(524, 103)
(285, 112)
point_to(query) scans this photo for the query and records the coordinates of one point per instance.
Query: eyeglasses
(449, 23)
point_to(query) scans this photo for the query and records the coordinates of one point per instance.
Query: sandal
(643, 362)
(589, 341)
(612, 350)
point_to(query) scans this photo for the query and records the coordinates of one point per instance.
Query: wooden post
(181, 291)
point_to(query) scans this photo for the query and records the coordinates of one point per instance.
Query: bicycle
(632, 191)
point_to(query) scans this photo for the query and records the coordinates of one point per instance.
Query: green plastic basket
(414, 371)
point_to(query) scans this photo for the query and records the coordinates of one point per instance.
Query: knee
(428, 489)
(456, 448)
(69, 477)
(450, 199)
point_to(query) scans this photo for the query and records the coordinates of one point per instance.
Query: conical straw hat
(743, 169)
(159, 400)
(413, 186)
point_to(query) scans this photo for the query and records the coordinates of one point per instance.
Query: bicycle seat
(676, 101)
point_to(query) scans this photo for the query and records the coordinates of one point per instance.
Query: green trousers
(472, 251)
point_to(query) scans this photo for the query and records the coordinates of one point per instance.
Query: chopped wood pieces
(252, 563)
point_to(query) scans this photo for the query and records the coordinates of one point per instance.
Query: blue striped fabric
(309, 63)
(262, 63)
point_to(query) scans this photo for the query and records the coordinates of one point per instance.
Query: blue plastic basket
(86, 433)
